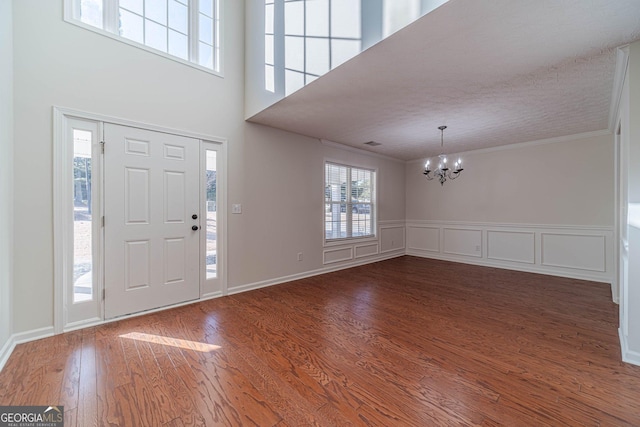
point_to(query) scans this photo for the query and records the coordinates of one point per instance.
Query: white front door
(151, 194)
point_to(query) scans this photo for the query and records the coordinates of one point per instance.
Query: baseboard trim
(304, 275)
(6, 351)
(628, 356)
(526, 268)
(74, 326)
(20, 338)
(33, 335)
(211, 295)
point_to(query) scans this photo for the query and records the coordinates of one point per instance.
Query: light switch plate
(236, 208)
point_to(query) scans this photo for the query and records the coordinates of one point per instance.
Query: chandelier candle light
(443, 172)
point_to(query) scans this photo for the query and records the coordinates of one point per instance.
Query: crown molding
(555, 140)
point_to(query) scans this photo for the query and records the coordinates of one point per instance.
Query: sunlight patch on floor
(174, 342)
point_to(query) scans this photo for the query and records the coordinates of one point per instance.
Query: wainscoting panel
(512, 246)
(570, 251)
(464, 242)
(338, 254)
(389, 242)
(423, 238)
(391, 238)
(574, 251)
(366, 250)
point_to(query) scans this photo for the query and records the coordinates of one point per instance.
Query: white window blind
(349, 202)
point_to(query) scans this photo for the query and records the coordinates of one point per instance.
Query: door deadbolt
(194, 216)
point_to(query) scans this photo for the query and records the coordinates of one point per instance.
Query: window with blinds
(349, 208)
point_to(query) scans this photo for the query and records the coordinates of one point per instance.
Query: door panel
(137, 265)
(174, 184)
(151, 193)
(136, 190)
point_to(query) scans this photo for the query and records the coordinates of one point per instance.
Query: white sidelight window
(349, 208)
(211, 221)
(77, 220)
(184, 30)
(83, 215)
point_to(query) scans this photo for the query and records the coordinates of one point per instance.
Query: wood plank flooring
(403, 342)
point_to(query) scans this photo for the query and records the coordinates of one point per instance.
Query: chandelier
(443, 172)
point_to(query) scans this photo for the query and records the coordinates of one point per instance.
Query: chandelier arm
(454, 174)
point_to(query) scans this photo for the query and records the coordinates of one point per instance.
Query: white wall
(275, 175)
(631, 342)
(564, 183)
(634, 122)
(282, 202)
(6, 168)
(257, 98)
(540, 207)
(60, 64)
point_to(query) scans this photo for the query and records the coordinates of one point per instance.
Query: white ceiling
(496, 72)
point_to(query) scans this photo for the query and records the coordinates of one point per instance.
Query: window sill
(349, 241)
(145, 47)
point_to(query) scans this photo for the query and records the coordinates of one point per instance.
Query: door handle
(195, 228)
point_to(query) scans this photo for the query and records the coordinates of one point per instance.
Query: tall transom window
(304, 39)
(184, 30)
(319, 35)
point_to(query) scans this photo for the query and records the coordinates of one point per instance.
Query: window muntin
(349, 202)
(184, 30)
(319, 35)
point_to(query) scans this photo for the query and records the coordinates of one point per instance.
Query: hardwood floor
(404, 342)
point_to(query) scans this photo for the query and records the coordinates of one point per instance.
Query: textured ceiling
(496, 72)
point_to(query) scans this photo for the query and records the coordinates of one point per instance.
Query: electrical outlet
(236, 208)
(299, 256)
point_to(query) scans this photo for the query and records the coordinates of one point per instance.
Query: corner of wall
(6, 179)
(628, 356)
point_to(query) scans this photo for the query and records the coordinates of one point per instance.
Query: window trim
(374, 206)
(67, 312)
(71, 10)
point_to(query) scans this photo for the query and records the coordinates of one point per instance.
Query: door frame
(61, 118)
